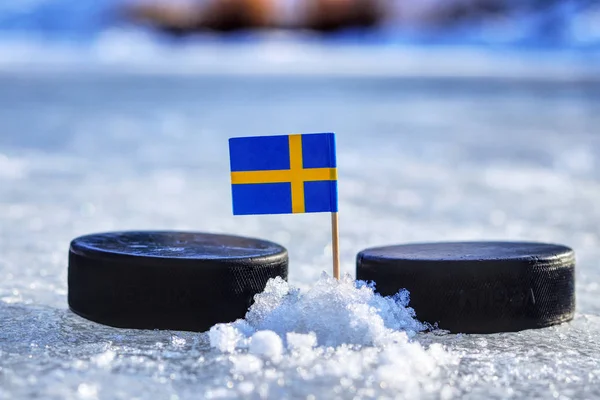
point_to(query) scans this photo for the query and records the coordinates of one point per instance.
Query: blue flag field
(283, 174)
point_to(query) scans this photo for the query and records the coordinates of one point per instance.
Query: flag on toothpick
(285, 174)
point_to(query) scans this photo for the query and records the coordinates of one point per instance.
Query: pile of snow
(338, 329)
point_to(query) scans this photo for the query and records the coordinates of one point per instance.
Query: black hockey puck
(477, 287)
(169, 280)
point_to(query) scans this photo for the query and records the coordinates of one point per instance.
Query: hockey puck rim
(488, 294)
(154, 291)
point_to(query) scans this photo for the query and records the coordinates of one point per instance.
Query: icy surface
(420, 159)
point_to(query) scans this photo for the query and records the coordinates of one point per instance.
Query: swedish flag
(283, 174)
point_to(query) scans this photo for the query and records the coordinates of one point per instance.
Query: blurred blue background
(546, 23)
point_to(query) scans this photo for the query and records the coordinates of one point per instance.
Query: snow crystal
(298, 341)
(246, 364)
(267, 344)
(87, 391)
(104, 359)
(224, 337)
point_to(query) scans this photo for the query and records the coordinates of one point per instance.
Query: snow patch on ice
(335, 329)
(335, 312)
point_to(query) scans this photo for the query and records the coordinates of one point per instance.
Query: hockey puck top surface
(477, 287)
(165, 244)
(169, 280)
(472, 251)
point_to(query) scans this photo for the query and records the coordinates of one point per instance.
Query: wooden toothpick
(335, 245)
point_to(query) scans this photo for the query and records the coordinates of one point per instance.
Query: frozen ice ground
(420, 158)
